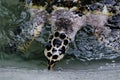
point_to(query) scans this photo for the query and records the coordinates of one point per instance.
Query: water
(12, 15)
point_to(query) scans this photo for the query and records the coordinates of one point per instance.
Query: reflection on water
(85, 47)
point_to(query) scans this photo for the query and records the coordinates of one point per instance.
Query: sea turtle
(66, 20)
(65, 24)
(67, 17)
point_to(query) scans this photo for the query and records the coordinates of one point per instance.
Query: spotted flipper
(66, 23)
(56, 47)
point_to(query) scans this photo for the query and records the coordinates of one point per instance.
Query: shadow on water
(84, 53)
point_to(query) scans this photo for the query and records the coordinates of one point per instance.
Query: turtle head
(56, 48)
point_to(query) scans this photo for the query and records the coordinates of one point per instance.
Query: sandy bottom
(24, 74)
(67, 69)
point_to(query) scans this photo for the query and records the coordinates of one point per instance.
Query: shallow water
(23, 74)
(85, 52)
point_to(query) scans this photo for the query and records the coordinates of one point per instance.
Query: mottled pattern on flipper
(56, 47)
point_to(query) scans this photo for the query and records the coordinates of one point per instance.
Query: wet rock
(88, 47)
(110, 2)
(114, 22)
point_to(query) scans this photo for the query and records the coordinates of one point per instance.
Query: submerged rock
(109, 2)
(87, 47)
(114, 22)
